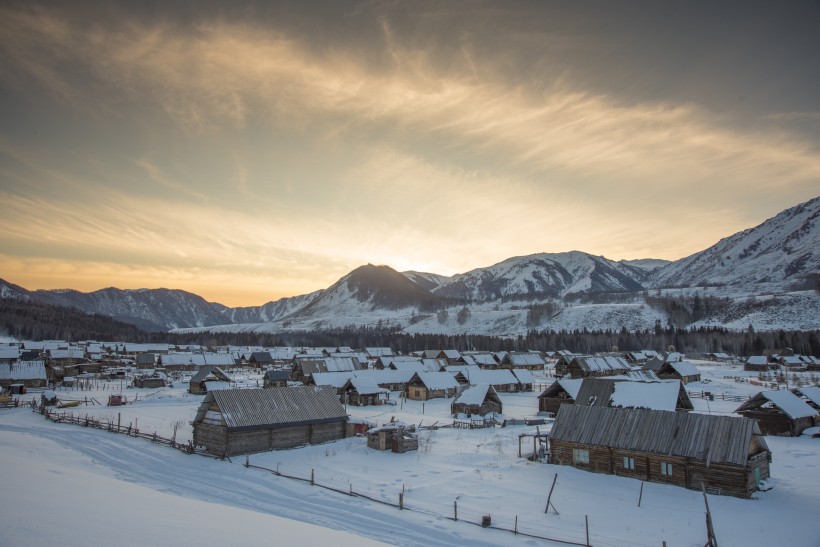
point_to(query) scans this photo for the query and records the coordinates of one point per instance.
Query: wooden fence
(722, 396)
(90, 421)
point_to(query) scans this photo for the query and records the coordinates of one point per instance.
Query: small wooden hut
(363, 392)
(395, 437)
(558, 393)
(727, 454)
(240, 421)
(684, 371)
(205, 375)
(779, 412)
(431, 385)
(477, 400)
(276, 378)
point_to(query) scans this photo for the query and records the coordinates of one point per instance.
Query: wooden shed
(558, 393)
(727, 454)
(276, 378)
(153, 381)
(779, 412)
(363, 392)
(477, 400)
(240, 421)
(26, 373)
(684, 371)
(205, 375)
(395, 437)
(431, 385)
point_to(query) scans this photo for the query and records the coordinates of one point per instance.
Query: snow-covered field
(70, 485)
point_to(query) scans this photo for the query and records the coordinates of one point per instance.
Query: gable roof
(571, 386)
(436, 380)
(684, 368)
(602, 364)
(273, 408)
(811, 393)
(792, 405)
(476, 395)
(660, 395)
(704, 437)
(23, 370)
(207, 370)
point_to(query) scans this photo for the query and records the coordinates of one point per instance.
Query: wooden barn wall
(727, 479)
(218, 440)
(552, 404)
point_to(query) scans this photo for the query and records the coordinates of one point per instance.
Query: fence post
(401, 500)
(311, 478)
(549, 496)
(516, 525)
(455, 510)
(586, 521)
(640, 495)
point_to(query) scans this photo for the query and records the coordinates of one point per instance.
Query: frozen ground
(71, 485)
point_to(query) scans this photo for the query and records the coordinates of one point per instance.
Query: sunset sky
(249, 151)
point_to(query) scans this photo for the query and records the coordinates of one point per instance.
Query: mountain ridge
(779, 255)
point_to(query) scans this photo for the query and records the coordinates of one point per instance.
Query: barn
(726, 454)
(779, 412)
(477, 400)
(242, 421)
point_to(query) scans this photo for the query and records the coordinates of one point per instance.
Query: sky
(250, 151)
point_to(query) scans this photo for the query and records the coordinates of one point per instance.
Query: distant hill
(572, 290)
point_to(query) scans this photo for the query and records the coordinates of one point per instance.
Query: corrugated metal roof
(273, 408)
(705, 437)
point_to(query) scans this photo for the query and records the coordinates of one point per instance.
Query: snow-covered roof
(366, 386)
(334, 379)
(474, 395)
(652, 395)
(792, 405)
(811, 393)
(524, 376)
(23, 370)
(524, 359)
(378, 352)
(757, 360)
(685, 368)
(9, 352)
(214, 385)
(437, 380)
(499, 376)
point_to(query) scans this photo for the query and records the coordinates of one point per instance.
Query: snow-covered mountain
(781, 256)
(545, 274)
(780, 253)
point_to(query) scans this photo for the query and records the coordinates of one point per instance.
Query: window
(666, 469)
(629, 463)
(580, 455)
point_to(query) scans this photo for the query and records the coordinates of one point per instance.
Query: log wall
(719, 478)
(219, 441)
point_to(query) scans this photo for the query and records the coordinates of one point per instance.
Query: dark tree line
(29, 320)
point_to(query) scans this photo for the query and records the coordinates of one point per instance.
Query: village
(659, 425)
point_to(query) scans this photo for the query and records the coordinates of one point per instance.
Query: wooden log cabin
(558, 393)
(243, 421)
(779, 412)
(431, 385)
(727, 454)
(477, 400)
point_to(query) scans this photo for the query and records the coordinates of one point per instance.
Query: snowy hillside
(780, 252)
(545, 274)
